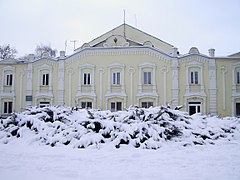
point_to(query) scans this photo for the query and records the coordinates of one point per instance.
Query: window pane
(149, 78)
(89, 104)
(119, 106)
(150, 104)
(113, 106)
(118, 78)
(5, 107)
(144, 104)
(9, 107)
(89, 79)
(43, 80)
(114, 78)
(237, 109)
(192, 78)
(238, 77)
(192, 110)
(145, 77)
(11, 78)
(196, 77)
(47, 79)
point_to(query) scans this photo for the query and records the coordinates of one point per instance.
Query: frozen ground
(19, 160)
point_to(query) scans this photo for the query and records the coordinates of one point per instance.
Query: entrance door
(194, 107)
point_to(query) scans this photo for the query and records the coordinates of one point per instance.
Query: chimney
(62, 54)
(211, 52)
(175, 52)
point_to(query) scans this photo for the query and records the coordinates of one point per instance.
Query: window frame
(197, 105)
(148, 104)
(86, 104)
(194, 77)
(116, 78)
(238, 77)
(8, 79)
(116, 106)
(45, 79)
(147, 78)
(7, 107)
(86, 81)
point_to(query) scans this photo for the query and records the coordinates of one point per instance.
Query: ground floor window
(86, 104)
(8, 107)
(147, 104)
(44, 104)
(194, 107)
(237, 109)
(116, 106)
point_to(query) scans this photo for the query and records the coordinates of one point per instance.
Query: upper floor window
(116, 78)
(238, 77)
(147, 78)
(8, 79)
(45, 79)
(194, 77)
(86, 78)
(7, 107)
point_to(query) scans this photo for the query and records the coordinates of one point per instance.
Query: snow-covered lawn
(157, 144)
(212, 162)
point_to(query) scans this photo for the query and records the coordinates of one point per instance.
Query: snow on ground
(59, 143)
(19, 160)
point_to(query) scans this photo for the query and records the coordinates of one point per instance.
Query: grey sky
(183, 23)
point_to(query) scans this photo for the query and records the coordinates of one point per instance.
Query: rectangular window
(45, 79)
(147, 78)
(194, 77)
(238, 109)
(86, 104)
(147, 104)
(44, 104)
(7, 107)
(116, 106)
(86, 78)
(116, 78)
(194, 107)
(9, 80)
(238, 77)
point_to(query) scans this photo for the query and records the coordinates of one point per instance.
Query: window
(86, 78)
(44, 104)
(116, 78)
(194, 107)
(116, 106)
(147, 78)
(86, 104)
(7, 107)
(147, 104)
(194, 77)
(9, 80)
(237, 109)
(45, 79)
(238, 77)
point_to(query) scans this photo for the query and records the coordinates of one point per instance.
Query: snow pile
(137, 127)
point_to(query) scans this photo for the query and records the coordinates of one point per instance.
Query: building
(124, 67)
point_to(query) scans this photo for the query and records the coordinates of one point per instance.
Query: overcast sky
(183, 23)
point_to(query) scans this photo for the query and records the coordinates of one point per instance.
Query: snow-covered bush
(136, 127)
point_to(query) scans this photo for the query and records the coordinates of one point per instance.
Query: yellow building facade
(124, 67)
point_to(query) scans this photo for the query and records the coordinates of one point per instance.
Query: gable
(133, 37)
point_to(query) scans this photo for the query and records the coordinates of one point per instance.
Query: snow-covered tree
(7, 52)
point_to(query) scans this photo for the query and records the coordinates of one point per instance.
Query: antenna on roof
(124, 23)
(74, 43)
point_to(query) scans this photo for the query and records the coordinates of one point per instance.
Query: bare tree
(7, 52)
(40, 49)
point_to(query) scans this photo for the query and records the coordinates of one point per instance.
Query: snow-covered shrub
(136, 127)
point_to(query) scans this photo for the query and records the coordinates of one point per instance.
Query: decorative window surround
(200, 78)
(153, 93)
(6, 71)
(196, 98)
(91, 94)
(44, 68)
(122, 93)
